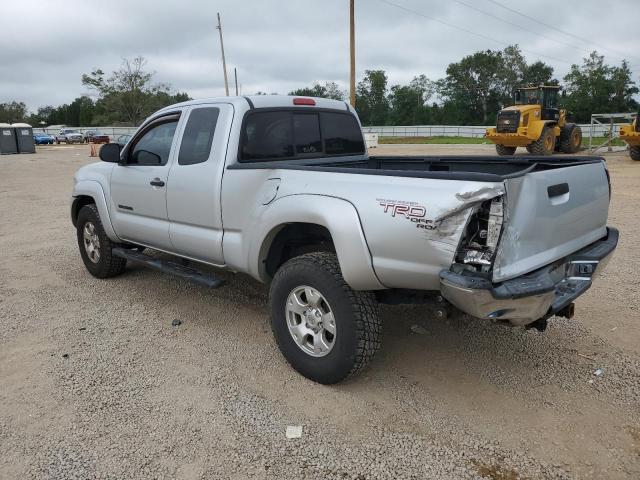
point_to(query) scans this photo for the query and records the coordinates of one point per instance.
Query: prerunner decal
(412, 211)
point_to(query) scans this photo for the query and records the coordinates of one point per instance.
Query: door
(139, 185)
(193, 190)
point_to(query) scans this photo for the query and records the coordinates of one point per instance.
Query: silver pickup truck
(282, 188)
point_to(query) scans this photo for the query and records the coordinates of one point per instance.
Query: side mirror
(110, 152)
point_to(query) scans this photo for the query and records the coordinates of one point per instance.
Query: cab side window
(153, 147)
(198, 136)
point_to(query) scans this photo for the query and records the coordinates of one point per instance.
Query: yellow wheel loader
(631, 135)
(536, 123)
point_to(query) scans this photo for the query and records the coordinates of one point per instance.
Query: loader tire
(570, 138)
(635, 153)
(545, 144)
(504, 150)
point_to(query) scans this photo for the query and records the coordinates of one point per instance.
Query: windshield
(70, 131)
(527, 97)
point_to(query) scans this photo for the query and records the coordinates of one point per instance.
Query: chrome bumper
(536, 295)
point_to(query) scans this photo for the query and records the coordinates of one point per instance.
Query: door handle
(156, 182)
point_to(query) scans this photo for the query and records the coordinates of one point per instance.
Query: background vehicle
(631, 135)
(42, 138)
(93, 136)
(281, 188)
(122, 140)
(68, 135)
(535, 122)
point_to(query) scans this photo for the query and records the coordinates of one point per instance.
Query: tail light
(304, 101)
(480, 241)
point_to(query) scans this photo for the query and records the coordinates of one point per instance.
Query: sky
(280, 45)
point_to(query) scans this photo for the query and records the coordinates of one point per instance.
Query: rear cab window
(282, 134)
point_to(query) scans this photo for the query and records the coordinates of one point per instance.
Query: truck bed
(481, 168)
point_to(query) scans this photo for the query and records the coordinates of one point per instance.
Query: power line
(462, 29)
(538, 34)
(552, 27)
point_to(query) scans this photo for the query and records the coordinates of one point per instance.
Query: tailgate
(551, 214)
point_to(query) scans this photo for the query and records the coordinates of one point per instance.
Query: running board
(172, 268)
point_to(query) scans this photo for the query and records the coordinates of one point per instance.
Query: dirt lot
(95, 382)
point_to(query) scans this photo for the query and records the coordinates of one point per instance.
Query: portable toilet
(24, 138)
(7, 139)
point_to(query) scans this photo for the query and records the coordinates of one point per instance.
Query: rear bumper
(536, 295)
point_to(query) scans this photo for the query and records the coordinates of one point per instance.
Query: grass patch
(472, 141)
(432, 140)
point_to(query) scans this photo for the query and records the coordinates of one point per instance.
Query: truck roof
(266, 101)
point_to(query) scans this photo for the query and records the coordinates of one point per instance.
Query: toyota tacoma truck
(281, 188)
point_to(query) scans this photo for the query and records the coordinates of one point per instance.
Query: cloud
(280, 45)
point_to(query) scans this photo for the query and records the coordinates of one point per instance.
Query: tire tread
(364, 305)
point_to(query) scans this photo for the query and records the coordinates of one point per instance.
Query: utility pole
(224, 62)
(235, 75)
(352, 41)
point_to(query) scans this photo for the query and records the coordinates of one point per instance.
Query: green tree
(475, 85)
(595, 87)
(539, 73)
(129, 95)
(326, 90)
(408, 103)
(372, 103)
(13, 112)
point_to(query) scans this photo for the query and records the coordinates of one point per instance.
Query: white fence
(387, 131)
(465, 131)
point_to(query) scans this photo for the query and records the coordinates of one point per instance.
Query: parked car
(96, 137)
(122, 140)
(42, 138)
(282, 188)
(68, 135)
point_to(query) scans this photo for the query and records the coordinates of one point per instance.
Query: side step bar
(206, 279)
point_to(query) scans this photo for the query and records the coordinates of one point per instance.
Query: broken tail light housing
(480, 241)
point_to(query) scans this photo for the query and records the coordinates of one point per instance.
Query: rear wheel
(635, 152)
(504, 150)
(326, 330)
(95, 247)
(570, 138)
(545, 144)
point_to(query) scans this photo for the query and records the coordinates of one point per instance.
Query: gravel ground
(95, 382)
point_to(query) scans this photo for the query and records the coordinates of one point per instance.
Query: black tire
(635, 152)
(357, 326)
(504, 150)
(107, 264)
(570, 138)
(529, 149)
(545, 144)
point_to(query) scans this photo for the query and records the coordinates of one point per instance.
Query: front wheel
(504, 150)
(95, 247)
(635, 152)
(546, 144)
(326, 330)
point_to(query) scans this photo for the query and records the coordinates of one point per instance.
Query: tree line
(471, 93)
(479, 85)
(126, 97)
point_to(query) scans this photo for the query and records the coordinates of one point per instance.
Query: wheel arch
(299, 224)
(88, 192)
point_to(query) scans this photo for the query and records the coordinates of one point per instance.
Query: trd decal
(411, 211)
